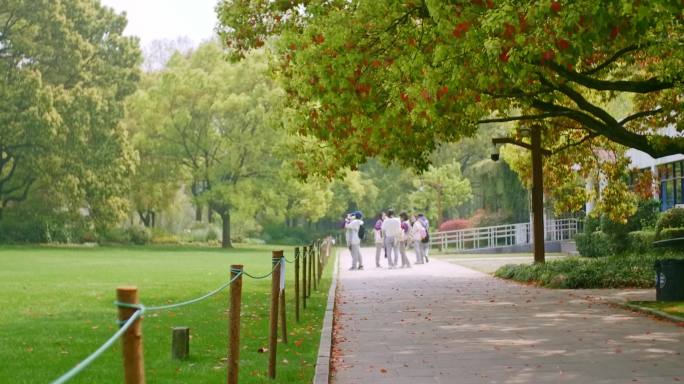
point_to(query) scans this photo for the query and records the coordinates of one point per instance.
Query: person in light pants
(403, 239)
(426, 245)
(353, 227)
(379, 241)
(417, 234)
(391, 230)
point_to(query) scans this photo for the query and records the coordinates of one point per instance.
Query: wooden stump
(180, 343)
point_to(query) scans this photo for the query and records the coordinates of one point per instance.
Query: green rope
(275, 265)
(181, 304)
(88, 360)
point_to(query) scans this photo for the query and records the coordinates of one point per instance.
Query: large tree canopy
(212, 121)
(393, 78)
(66, 69)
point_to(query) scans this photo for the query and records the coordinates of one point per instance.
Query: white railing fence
(503, 235)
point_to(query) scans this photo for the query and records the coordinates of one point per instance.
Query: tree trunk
(153, 221)
(145, 218)
(537, 196)
(210, 216)
(225, 237)
(198, 213)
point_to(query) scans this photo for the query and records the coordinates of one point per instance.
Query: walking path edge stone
(322, 373)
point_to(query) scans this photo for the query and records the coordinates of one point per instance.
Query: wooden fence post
(319, 246)
(296, 283)
(234, 324)
(304, 295)
(311, 267)
(283, 312)
(273, 318)
(132, 348)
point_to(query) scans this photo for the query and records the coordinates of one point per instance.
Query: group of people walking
(392, 235)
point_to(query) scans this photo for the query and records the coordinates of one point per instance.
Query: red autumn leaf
(460, 29)
(509, 31)
(503, 56)
(562, 44)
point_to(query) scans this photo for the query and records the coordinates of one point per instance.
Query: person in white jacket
(391, 232)
(418, 232)
(355, 243)
(403, 239)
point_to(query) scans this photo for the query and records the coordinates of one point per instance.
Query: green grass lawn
(675, 308)
(57, 307)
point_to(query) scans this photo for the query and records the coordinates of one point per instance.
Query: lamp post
(537, 184)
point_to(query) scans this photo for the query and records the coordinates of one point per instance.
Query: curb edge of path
(322, 373)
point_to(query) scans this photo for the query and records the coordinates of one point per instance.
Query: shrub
(596, 244)
(89, 237)
(455, 224)
(22, 232)
(646, 215)
(641, 241)
(616, 233)
(197, 236)
(633, 270)
(251, 240)
(671, 233)
(277, 233)
(592, 224)
(161, 236)
(673, 218)
(212, 234)
(139, 235)
(115, 235)
(482, 218)
(165, 238)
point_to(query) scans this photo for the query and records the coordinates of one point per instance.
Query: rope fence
(315, 257)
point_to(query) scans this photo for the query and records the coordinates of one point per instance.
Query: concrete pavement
(443, 323)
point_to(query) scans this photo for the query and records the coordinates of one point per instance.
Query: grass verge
(674, 309)
(57, 307)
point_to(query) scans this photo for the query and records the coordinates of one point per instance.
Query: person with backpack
(425, 242)
(353, 226)
(391, 232)
(379, 241)
(403, 239)
(418, 232)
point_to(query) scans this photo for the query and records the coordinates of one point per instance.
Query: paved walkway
(443, 323)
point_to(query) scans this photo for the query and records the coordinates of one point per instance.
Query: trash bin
(669, 279)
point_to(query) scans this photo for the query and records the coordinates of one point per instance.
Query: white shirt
(417, 231)
(392, 227)
(353, 229)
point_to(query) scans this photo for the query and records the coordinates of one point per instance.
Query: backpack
(425, 239)
(362, 232)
